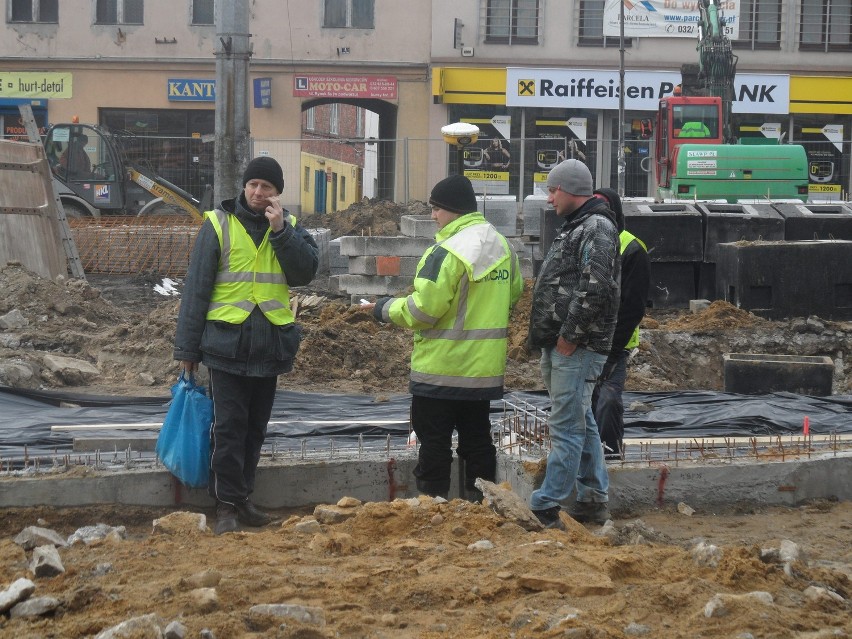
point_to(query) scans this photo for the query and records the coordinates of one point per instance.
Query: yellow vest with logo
(248, 276)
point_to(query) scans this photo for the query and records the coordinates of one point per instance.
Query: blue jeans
(576, 455)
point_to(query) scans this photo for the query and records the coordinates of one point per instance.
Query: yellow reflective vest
(464, 290)
(626, 237)
(248, 276)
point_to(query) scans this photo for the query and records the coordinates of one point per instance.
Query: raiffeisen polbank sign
(599, 89)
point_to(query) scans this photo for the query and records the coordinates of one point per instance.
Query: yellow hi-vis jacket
(626, 237)
(464, 290)
(248, 276)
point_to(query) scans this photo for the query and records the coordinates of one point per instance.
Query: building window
(342, 188)
(591, 26)
(306, 180)
(357, 14)
(34, 11)
(310, 119)
(119, 12)
(202, 12)
(511, 21)
(334, 119)
(760, 25)
(826, 25)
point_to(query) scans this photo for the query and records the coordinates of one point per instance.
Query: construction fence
(341, 172)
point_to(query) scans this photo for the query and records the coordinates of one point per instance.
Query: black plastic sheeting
(26, 417)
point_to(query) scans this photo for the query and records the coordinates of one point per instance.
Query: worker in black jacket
(607, 403)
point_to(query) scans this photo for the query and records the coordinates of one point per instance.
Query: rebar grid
(132, 245)
(523, 430)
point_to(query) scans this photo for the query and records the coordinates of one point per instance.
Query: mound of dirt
(114, 335)
(367, 217)
(425, 569)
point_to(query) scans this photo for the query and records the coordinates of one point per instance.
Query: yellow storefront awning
(455, 85)
(820, 94)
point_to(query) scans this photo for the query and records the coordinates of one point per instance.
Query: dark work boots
(590, 512)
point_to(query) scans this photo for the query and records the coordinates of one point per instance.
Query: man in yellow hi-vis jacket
(464, 289)
(235, 318)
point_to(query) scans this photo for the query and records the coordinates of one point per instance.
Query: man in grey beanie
(235, 318)
(573, 316)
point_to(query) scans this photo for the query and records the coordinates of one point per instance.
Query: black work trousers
(434, 421)
(241, 409)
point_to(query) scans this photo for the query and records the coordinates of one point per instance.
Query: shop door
(319, 191)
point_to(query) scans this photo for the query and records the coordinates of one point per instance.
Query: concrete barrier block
(737, 222)
(672, 284)
(672, 232)
(374, 284)
(418, 226)
(816, 221)
(787, 279)
(400, 245)
(501, 211)
(532, 214)
(756, 374)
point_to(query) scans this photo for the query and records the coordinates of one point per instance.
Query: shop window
(334, 119)
(202, 12)
(591, 26)
(512, 21)
(760, 25)
(119, 12)
(34, 11)
(355, 14)
(826, 25)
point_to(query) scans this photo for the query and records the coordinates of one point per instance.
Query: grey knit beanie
(571, 176)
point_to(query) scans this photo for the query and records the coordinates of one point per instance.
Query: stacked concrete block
(418, 226)
(322, 237)
(501, 211)
(337, 263)
(379, 266)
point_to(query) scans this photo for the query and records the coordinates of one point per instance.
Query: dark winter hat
(571, 176)
(265, 168)
(610, 196)
(454, 194)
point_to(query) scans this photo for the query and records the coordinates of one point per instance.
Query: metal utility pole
(233, 52)
(622, 162)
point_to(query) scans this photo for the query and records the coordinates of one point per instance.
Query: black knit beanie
(265, 168)
(454, 194)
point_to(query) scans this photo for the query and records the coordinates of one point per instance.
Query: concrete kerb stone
(353, 246)
(296, 483)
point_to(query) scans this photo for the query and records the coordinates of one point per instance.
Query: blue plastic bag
(183, 444)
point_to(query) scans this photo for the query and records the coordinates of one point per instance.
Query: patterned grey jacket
(576, 294)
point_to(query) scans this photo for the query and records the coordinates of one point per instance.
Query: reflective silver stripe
(230, 276)
(270, 278)
(251, 276)
(222, 217)
(417, 314)
(463, 335)
(461, 312)
(246, 306)
(271, 305)
(459, 382)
